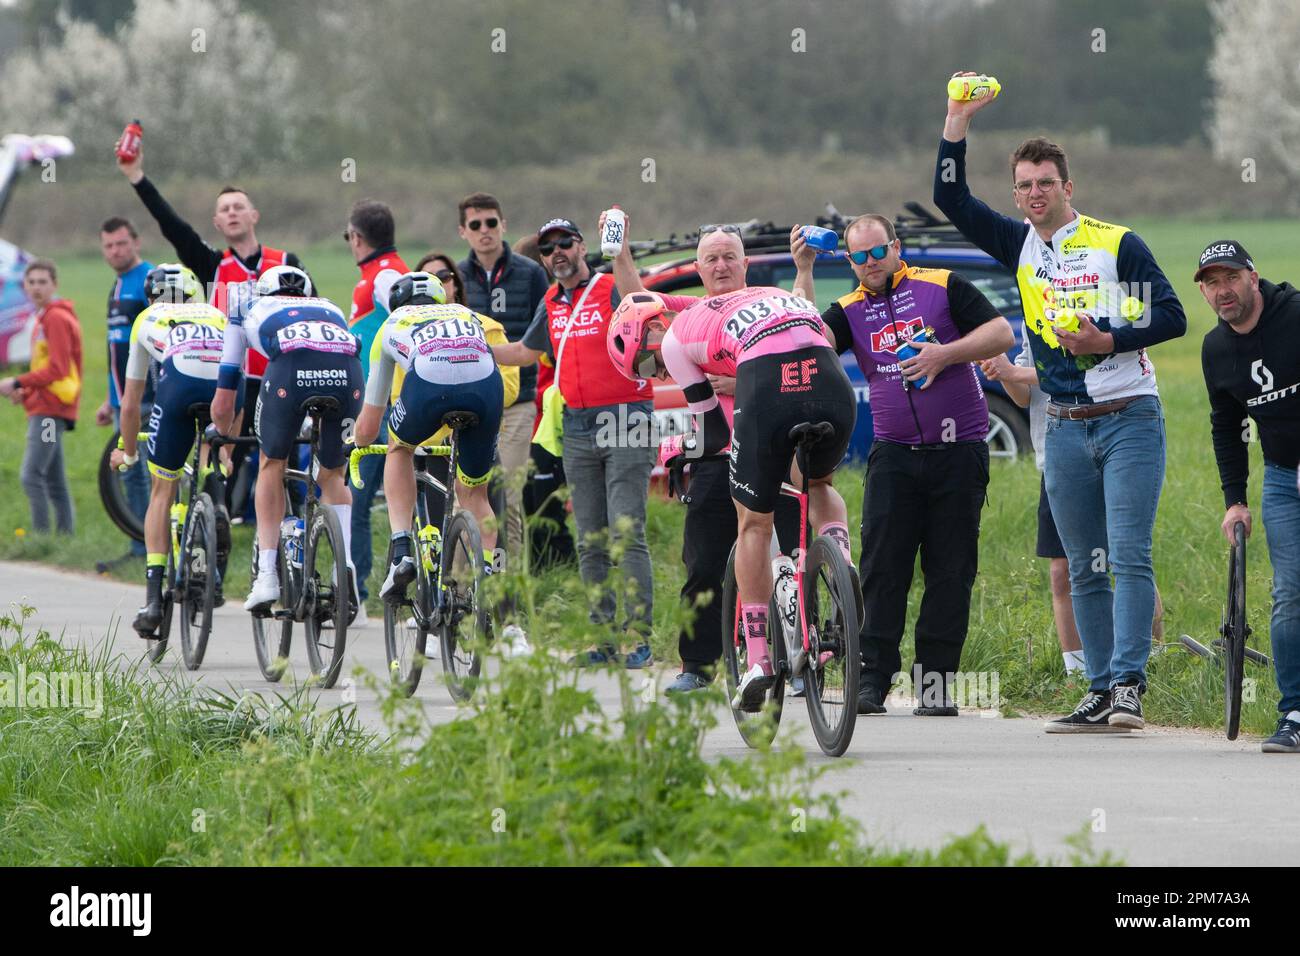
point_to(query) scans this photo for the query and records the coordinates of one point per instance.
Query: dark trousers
(927, 499)
(707, 539)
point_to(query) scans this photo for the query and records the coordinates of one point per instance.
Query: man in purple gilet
(928, 469)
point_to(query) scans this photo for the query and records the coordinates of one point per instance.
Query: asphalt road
(1159, 797)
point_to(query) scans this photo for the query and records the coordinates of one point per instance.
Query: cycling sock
(153, 577)
(754, 620)
(345, 522)
(839, 532)
(266, 563)
(401, 545)
(155, 559)
(1073, 661)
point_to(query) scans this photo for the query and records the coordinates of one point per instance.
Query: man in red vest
(609, 440)
(240, 263)
(371, 236)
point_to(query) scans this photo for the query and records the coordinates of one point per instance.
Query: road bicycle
(314, 576)
(446, 595)
(822, 648)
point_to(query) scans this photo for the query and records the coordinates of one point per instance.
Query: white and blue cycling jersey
(276, 325)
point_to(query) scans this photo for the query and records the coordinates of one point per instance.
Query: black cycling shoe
(149, 617)
(400, 574)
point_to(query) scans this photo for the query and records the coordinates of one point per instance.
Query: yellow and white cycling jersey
(187, 334)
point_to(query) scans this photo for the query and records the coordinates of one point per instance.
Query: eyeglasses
(491, 222)
(1046, 184)
(443, 275)
(876, 252)
(719, 227)
(546, 248)
(347, 234)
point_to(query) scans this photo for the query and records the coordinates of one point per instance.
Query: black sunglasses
(491, 222)
(546, 248)
(442, 275)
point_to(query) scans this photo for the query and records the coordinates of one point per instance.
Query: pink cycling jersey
(715, 335)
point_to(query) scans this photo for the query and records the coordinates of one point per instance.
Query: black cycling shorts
(417, 416)
(292, 378)
(172, 428)
(773, 394)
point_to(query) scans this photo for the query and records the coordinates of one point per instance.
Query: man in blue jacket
(1094, 300)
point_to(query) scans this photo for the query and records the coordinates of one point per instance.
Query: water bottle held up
(821, 239)
(973, 87)
(614, 232)
(128, 149)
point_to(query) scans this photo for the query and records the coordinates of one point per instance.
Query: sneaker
(753, 689)
(797, 687)
(148, 619)
(430, 643)
(1285, 740)
(639, 658)
(870, 699)
(400, 574)
(948, 709)
(687, 682)
(362, 618)
(264, 593)
(1092, 716)
(1126, 707)
(606, 654)
(514, 642)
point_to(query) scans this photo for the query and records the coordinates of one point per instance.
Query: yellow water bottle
(973, 87)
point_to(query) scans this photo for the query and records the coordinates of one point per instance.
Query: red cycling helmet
(626, 340)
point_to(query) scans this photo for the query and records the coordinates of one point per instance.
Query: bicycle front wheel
(757, 729)
(112, 492)
(1234, 632)
(197, 584)
(834, 661)
(327, 606)
(406, 628)
(464, 630)
(271, 637)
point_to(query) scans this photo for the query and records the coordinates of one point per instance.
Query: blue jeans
(371, 468)
(1282, 526)
(136, 481)
(1103, 479)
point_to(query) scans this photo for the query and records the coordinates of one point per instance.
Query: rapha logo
(893, 334)
(103, 909)
(1261, 376)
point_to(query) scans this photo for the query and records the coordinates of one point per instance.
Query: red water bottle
(128, 149)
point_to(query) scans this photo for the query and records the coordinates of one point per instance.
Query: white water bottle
(787, 603)
(614, 232)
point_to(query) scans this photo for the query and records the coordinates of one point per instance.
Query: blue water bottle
(906, 351)
(824, 240)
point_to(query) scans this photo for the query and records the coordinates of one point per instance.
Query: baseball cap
(563, 225)
(1224, 252)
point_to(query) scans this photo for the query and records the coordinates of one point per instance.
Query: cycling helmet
(284, 280)
(416, 288)
(172, 282)
(626, 340)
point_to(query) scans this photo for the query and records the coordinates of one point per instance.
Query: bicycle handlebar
(354, 458)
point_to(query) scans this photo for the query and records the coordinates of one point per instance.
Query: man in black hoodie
(1251, 361)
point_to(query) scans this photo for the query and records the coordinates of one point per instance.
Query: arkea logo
(894, 334)
(797, 376)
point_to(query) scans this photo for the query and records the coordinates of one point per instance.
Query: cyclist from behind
(443, 352)
(184, 336)
(310, 354)
(783, 359)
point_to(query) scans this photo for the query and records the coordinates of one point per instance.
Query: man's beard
(1240, 309)
(564, 270)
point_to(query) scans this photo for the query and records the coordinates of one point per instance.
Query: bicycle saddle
(454, 420)
(810, 433)
(320, 403)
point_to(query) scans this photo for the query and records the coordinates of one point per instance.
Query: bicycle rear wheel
(112, 492)
(197, 582)
(327, 607)
(758, 729)
(1234, 632)
(834, 661)
(465, 630)
(406, 628)
(271, 637)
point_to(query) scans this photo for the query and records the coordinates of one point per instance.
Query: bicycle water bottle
(129, 149)
(430, 546)
(824, 240)
(973, 87)
(612, 236)
(907, 350)
(787, 603)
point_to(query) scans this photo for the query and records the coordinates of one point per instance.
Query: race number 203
(755, 314)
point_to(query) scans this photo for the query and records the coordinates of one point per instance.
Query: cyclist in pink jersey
(787, 373)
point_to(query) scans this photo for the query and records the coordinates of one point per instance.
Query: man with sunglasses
(929, 465)
(371, 235)
(711, 525)
(508, 288)
(1094, 301)
(607, 468)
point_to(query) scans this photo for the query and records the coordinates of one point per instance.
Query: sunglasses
(876, 252)
(546, 248)
(719, 227)
(646, 366)
(444, 275)
(347, 235)
(491, 222)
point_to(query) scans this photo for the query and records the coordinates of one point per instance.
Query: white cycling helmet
(413, 286)
(284, 280)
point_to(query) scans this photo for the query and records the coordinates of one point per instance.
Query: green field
(1011, 627)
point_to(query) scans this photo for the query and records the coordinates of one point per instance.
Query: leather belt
(1076, 413)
